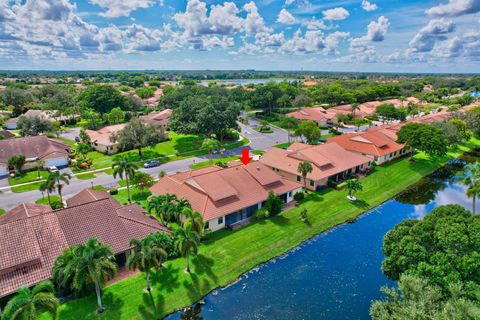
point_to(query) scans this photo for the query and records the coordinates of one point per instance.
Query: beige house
(101, 140)
(330, 162)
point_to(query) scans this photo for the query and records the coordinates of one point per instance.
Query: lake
(334, 275)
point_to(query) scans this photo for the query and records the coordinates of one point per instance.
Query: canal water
(334, 275)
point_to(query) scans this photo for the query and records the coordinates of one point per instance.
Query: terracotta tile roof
(89, 195)
(102, 136)
(32, 147)
(373, 143)
(313, 114)
(159, 118)
(24, 210)
(29, 246)
(327, 159)
(7, 134)
(216, 192)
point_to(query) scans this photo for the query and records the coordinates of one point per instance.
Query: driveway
(70, 134)
(262, 141)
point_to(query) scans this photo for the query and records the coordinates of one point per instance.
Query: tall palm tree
(17, 162)
(181, 205)
(94, 265)
(471, 178)
(145, 255)
(304, 168)
(124, 168)
(210, 145)
(155, 207)
(57, 178)
(30, 304)
(47, 186)
(186, 242)
(355, 107)
(193, 220)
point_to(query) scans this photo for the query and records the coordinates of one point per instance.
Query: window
(207, 225)
(220, 220)
(289, 194)
(299, 178)
(312, 183)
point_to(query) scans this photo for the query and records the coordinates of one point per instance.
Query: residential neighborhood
(297, 159)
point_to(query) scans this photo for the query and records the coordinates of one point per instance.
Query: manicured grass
(136, 194)
(24, 178)
(207, 163)
(2, 211)
(228, 254)
(283, 145)
(86, 176)
(180, 146)
(44, 200)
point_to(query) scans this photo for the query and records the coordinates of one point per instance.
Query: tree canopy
(423, 137)
(102, 99)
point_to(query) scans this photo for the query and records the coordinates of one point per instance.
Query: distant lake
(334, 275)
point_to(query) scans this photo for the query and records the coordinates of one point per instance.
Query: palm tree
(210, 145)
(471, 178)
(193, 220)
(355, 107)
(57, 178)
(30, 304)
(94, 265)
(186, 242)
(155, 206)
(353, 185)
(17, 163)
(181, 205)
(47, 186)
(145, 256)
(123, 167)
(304, 168)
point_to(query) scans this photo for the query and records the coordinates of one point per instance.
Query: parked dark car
(151, 164)
(77, 139)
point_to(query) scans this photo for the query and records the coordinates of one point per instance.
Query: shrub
(113, 191)
(299, 196)
(56, 204)
(232, 135)
(261, 214)
(139, 196)
(221, 164)
(273, 204)
(166, 241)
(303, 215)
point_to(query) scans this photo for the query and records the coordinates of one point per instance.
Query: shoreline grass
(229, 254)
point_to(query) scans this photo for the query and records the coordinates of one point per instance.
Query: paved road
(9, 200)
(70, 134)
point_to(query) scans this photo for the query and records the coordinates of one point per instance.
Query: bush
(166, 241)
(57, 204)
(232, 135)
(261, 214)
(221, 164)
(332, 184)
(113, 191)
(140, 196)
(299, 196)
(273, 204)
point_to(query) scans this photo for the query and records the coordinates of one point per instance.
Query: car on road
(52, 169)
(77, 139)
(151, 164)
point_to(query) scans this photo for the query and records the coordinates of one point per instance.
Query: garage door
(56, 162)
(3, 171)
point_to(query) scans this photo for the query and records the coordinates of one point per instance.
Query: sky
(318, 35)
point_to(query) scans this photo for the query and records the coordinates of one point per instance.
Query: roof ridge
(136, 221)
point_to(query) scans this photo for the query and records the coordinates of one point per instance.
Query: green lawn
(2, 211)
(44, 200)
(180, 146)
(24, 178)
(230, 253)
(207, 163)
(86, 176)
(136, 195)
(283, 145)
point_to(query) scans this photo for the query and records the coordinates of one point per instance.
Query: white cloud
(369, 6)
(333, 40)
(254, 22)
(454, 8)
(315, 24)
(428, 36)
(123, 8)
(286, 17)
(378, 29)
(335, 14)
(289, 2)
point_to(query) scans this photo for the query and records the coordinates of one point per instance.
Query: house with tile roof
(160, 118)
(37, 150)
(227, 196)
(330, 162)
(316, 114)
(378, 144)
(101, 141)
(33, 236)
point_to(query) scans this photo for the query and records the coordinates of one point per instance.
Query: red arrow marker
(245, 158)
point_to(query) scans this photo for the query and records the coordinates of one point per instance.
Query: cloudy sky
(345, 35)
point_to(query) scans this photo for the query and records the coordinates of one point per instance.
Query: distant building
(37, 150)
(160, 118)
(316, 114)
(227, 197)
(330, 162)
(32, 236)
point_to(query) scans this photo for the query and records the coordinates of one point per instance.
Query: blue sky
(347, 35)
